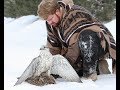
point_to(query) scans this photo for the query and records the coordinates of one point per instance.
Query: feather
(49, 64)
(29, 71)
(62, 67)
(40, 64)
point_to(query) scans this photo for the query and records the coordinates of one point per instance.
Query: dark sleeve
(53, 42)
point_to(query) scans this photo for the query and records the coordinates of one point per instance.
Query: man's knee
(91, 49)
(90, 44)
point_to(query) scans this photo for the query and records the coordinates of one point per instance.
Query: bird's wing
(29, 71)
(62, 67)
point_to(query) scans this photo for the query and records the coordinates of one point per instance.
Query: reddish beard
(54, 23)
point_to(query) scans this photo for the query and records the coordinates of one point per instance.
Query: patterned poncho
(63, 39)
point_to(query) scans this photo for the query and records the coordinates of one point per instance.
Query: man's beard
(54, 24)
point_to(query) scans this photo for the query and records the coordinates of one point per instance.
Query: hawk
(40, 69)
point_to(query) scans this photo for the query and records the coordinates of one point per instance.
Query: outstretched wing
(63, 68)
(29, 71)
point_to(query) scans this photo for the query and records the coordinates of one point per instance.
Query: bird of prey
(40, 69)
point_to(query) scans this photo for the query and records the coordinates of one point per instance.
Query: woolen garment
(64, 38)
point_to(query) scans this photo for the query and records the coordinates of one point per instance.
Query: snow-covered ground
(22, 39)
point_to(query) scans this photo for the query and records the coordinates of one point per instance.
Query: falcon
(40, 70)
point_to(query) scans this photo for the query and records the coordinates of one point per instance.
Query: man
(78, 36)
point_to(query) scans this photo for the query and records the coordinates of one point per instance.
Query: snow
(112, 27)
(22, 39)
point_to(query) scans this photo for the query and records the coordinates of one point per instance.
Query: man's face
(53, 19)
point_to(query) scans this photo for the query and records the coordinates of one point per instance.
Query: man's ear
(57, 11)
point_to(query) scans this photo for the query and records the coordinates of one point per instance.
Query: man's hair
(47, 7)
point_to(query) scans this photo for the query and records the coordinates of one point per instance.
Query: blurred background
(104, 10)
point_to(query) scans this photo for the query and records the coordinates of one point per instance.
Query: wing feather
(29, 71)
(62, 67)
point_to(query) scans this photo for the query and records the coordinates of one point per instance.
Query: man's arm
(53, 43)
